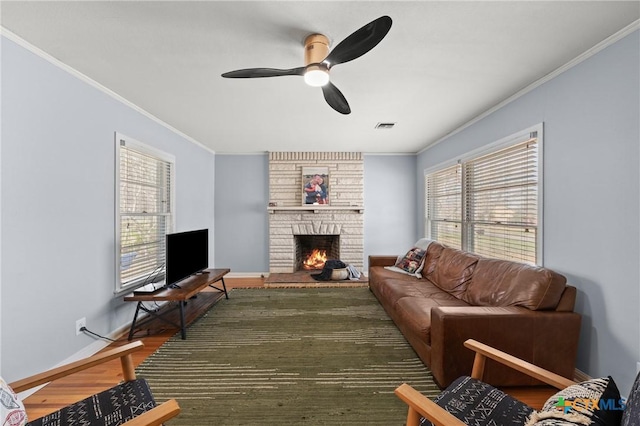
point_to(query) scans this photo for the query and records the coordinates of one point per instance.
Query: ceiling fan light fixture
(318, 60)
(316, 75)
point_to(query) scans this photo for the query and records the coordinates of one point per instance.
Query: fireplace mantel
(317, 209)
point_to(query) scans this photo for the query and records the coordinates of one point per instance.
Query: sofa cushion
(397, 288)
(415, 312)
(452, 271)
(432, 258)
(504, 283)
(389, 286)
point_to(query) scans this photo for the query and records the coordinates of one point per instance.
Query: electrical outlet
(82, 322)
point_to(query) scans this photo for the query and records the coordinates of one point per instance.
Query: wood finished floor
(81, 385)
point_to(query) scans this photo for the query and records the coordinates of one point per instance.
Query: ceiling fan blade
(335, 98)
(263, 72)
(360, 42)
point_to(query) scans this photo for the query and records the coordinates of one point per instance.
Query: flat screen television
(187, 254)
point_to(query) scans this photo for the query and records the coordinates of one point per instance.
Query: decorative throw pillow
(12, 412)
(631, 415)
(412, 262)
(593, 402)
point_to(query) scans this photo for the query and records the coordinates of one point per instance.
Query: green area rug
(321, 356)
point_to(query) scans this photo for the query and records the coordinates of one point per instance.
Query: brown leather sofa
(524, 310)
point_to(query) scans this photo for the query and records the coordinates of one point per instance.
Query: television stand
(188, 288)
(154, 291)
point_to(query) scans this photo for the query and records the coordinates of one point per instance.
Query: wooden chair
(595, 401)
(420, 406)
(147, 413)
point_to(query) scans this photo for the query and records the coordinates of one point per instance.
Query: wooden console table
(185, 290)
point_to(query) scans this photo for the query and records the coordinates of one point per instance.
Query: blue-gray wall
(390, 204)
(58, 216)
(242, 190)
(591, 194)
(242, 225)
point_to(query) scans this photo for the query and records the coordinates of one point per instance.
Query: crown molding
(84, 78)
(634, 26)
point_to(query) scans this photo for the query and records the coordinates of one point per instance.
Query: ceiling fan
(318, 61)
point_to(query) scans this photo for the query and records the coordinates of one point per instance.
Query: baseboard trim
(247, 275)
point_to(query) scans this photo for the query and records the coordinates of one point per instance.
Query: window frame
(489, 148)
(160, 155)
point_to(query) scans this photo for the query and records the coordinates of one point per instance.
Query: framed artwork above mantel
(315, 186)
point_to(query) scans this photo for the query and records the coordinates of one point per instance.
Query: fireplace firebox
(311, 251)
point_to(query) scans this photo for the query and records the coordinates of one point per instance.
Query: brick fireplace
(338, 225)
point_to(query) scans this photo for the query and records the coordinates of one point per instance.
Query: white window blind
(444, 206)
(489, 203)
(145, 213)
(501, 203)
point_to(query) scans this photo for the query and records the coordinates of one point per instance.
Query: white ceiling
(442, 63)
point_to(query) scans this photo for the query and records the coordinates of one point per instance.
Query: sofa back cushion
(433, 257)
(504, 283)
(452, 270)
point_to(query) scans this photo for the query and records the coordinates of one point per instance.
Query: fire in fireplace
(312, 251)
(315, 260)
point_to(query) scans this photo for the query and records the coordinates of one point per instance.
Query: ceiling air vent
(385, 125)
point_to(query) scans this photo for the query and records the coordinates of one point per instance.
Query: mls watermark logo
(584, 405)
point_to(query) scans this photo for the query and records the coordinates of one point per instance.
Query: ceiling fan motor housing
(316, 48)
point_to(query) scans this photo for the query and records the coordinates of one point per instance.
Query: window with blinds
(489, 204)
(144, 212)
(444, 205)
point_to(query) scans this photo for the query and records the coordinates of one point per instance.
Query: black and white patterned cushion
(479, 404)
(109, 408)
(592, 402)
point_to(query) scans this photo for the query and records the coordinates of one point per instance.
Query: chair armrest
(123, 352)
(420, 405)
(484, 351)
(156, 416)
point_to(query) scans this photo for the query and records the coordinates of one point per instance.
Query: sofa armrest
(386, 260)
(567, 301)
(548, 339)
